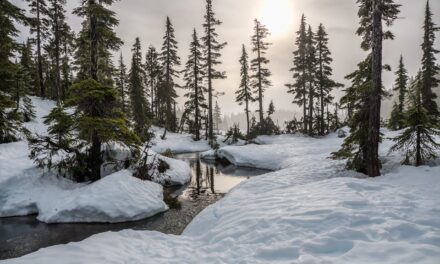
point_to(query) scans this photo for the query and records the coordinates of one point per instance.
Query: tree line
(114, 103)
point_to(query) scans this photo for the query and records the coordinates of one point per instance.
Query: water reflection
(23, 235)
(210, 178)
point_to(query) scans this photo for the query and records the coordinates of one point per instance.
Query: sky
(146, 19)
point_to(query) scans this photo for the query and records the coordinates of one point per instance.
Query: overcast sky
(146, 19)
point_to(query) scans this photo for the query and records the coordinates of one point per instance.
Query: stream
(209, 183)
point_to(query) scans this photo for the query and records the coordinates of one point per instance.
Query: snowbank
(25, 189)
(177, 143)
(179, 172)
(308, 211)
(118, 197)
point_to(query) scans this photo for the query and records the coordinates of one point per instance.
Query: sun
(277, 15)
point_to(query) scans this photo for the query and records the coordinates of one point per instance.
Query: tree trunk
(260, 84)
(310, 119)
(95, 159)
(93, 44)
(419, 161)
(247, 118)
(373, 138)
(57, 56)
(39, 57)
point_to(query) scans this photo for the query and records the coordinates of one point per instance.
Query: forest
(111, 146)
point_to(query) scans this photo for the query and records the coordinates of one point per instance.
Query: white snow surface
(177, 143)
(308, 211)
(26, 189)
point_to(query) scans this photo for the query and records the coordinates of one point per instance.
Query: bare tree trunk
(372, 158)
(39, 57)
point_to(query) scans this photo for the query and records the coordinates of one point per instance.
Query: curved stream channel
(209, 183)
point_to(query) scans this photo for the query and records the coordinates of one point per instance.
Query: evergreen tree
(244, 93)
(96, 40)
(260, 78)
(40, 26)
(299, 87)
(430, 69)
(271, 109)
(10, 122)
(311, 77)
(397, 120)
(169, 60)
(152, 69)
(121, 84)
(217, 117)
(60, 29)
(212, 48)
(24, 85)
(139, 104)
(194, 84)
(97, 120)
(364, 96)
(418, 140)
(324, 75)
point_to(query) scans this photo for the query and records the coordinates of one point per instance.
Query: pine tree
(430, 69)
(40, 26)
(169, 60)
(271, 109)
(217, 117)
(299, 87)
(244, 93)
(362, 146)
(397, 119)
(193, 77)
(96, 120)
(212, 49)
(311, 77)
(260, 78)
(323, 75)
(418, 140)
(60, 29)
(96, 40)
(121, 84)
(152, 69)
(10, 122)
(139, 104)
(24, 85)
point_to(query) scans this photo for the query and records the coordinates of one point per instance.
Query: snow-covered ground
(308, 211)
(26, 189)
(177, 143)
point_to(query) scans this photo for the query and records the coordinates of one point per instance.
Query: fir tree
(418, 140)
(10, 122)
(430, 69)
(139, 104)
(169, 60)
(311, 77)
(324, 75)
(212, 49)
(299, 87)
(194, 84)
(121, 84)
(260, 78)
(397, 118)
(80, 136)
(271, 109)
(152, 69)
(244, 93)
(217, 117)
(40, 26)
(24, 85)
(96, 40)
(364, 96)
(59, 28)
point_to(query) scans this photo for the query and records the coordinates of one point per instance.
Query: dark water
(209, 183)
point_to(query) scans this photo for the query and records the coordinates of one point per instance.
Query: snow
(308, 211)
(177, 143)
(26, 189)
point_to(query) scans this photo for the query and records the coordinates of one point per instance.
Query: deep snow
(308, 211)
(26, 189)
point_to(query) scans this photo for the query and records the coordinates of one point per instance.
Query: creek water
(209, 183)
